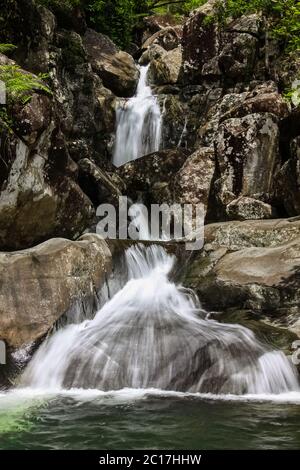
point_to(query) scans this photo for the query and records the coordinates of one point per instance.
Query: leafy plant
(6, 48)
(281, 17)
(20, 85)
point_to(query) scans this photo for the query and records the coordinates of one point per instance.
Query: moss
(276, 337)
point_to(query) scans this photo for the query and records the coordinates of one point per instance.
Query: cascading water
(154, 334)
(139, 122)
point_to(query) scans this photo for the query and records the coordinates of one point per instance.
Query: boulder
(116, 68)
(97, 184)
(142, 174)
(247, 208)
(251, 265)
(212, 50)
(192, 183)
(247, 156)
(165, 67)
(41, 284)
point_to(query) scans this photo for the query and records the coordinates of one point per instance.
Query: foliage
(6, 48)
(283, 17)
(20, 85)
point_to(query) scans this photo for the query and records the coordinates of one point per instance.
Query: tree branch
(171, 2)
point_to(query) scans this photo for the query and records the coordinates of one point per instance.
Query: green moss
(276, 337)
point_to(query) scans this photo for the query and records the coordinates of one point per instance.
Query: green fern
(21, 85)
(6, 48)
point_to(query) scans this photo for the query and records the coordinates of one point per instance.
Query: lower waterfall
(154, 334)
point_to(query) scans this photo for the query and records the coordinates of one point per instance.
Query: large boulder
(143, 174)
(116, 68)
(211, 50)
(251, 265)
(41, 284)
(165, 66)
(192, 183)
(247, 153)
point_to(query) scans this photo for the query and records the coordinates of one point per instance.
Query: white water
(139, 123)
(153, 334)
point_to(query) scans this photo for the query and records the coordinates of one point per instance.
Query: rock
(257, 98)
(40, 285)
(39, 194)
(192, 183)
(247, 156)
(165, 68)
(33, 118)
(288, 186)
(169, 38)
(250, 265)
(200, 43)
(247, 208)
(116, 68)
(140, 175)
(97, 184)
(212, 50)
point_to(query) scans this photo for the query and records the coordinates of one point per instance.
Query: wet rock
(51, 278)
(116, 68)
(253, 265)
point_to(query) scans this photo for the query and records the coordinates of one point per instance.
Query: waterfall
(139, 121)
(154, 334)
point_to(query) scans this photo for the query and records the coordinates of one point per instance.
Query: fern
(20, 85)
(6, 48)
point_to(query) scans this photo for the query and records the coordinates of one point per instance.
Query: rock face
(251, 265)
(247, 155)
(210, 52)
(39, 194)
(43, 283)
(116, 68)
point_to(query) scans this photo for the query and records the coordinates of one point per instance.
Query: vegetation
(20, 85)
(118, 18)
(7, 48)
(281, 17)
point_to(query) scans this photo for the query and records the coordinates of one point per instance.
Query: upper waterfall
(139, 123)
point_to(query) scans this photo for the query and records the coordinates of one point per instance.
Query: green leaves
(21, 85)
(283, 17)
(6, 48)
